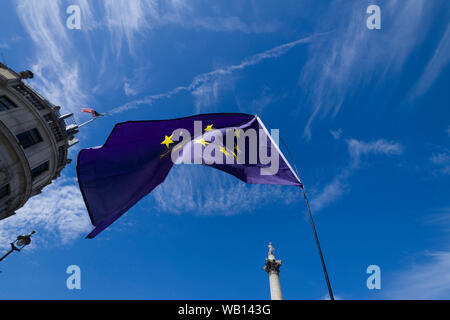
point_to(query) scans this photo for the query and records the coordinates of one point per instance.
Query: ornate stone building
(34, 141)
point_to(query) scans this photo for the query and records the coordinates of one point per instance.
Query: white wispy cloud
(331, 192)
(127, 18)
(339, 184)
(206, 94)
(352, 53)
(193, 190)
(442, 161)
(59, 75)
(58, 215)
(357, 149)
(428, 280)
(129, 89)
(427, 277)
(441, 218)
(188, 14)
(230, 24)
(212, 76)
(337, 134)
(264, 100)
(134, 82)
(127, 22)
(89, 19)
(10, 42)
(441, 158)
(57, 72)
(436, 65)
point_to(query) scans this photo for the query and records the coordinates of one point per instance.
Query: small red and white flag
(92, 111)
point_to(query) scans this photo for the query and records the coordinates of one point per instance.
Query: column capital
(272, 265)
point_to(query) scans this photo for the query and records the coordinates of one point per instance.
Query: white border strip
(277, 147)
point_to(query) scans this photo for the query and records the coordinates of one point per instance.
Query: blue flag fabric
(138, 156)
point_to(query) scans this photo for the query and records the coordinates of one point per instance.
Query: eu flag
(138, 156)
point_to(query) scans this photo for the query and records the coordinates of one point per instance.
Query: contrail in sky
(206, 77)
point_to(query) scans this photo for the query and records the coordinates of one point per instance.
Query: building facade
(34, 141)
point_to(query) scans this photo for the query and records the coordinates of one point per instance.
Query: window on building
(4, 191)
(6, 104)
(29, 138)
(36, 172)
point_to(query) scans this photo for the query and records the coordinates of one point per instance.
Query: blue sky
(364, 112)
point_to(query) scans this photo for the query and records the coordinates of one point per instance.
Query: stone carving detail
(272, 266)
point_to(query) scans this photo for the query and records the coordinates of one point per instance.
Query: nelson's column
(272, 267)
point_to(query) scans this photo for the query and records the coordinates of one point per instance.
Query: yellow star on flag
(202, 142)
(167, 141)
(237, 132)
(209, 128)
(224, 151)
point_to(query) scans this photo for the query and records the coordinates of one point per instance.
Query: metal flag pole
(93, 119)
(87, 122)
(330, 291)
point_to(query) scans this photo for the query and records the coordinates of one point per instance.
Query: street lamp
(20, 243)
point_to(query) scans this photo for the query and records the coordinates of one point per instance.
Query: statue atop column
(271, 249)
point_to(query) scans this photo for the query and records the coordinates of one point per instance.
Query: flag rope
(330, 290)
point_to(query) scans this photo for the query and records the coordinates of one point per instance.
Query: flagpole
(87, 122)
(330, 291)
(297, 175)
